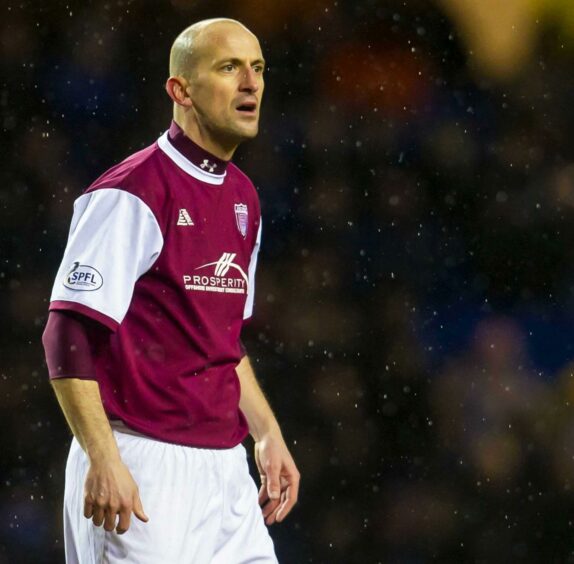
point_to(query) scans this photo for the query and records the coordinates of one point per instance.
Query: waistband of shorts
(119, 426)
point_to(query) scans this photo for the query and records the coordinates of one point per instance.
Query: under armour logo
(208, 165)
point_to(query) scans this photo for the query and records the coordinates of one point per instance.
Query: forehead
(228, 41)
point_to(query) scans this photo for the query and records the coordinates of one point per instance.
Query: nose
(249, 81)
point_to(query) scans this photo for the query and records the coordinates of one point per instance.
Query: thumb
(273, 488)
(139, 510)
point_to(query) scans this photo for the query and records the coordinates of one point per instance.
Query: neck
(203, 137)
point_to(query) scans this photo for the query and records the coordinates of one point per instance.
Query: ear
(176, 88)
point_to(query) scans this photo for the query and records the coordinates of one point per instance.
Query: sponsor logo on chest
(223, 275)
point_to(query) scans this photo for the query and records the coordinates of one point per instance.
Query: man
(142, 340)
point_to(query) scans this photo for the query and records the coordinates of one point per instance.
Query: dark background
(415, 296)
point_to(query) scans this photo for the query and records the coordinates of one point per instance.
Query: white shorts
(201, 503)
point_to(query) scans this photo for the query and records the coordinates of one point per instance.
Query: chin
(252, 134)
(249, 133)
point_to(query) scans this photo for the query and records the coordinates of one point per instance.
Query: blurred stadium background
(414, 322)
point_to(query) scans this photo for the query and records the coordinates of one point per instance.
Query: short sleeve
(114, 239)
(248, 311)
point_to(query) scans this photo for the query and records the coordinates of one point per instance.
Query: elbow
(46, 335)
(67, 348)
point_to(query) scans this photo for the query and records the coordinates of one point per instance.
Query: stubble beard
(234, 134)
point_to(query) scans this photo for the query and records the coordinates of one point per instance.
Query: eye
(258, 69)
(228, 67)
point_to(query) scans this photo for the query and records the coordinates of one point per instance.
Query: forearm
(68, 341)
(81, 403)
(110, 489)
(278, 472)
(254, 404)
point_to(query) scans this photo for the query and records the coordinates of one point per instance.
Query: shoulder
(243, 184)
(239, 176)
(248, 201)
(140, 175)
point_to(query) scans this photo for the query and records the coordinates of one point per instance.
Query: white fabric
(186, 165)
(114, 239)
(201, 503)
(248, 310)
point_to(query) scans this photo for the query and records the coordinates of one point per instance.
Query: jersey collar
(192, 158)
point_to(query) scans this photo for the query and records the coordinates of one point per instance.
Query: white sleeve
(114, 239)
(248, 311)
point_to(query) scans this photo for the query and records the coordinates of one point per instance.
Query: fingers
(99, 507)
(98, 515)
(279, 480)
(275, 510)
(289, 495)
(271, 517)
(268, 506)
(263, 496)
(270, 492)
(110, 516)
(110, 496)
(124, 521)
(269, 509)
(139, 510)
(88, 507)
(272, 470)
(105, 511)
(287, 503)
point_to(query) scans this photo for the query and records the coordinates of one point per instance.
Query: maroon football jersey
(163, 251)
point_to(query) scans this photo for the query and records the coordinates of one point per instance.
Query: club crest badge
(241, 218)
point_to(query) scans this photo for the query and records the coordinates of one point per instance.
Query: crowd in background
(414, 318)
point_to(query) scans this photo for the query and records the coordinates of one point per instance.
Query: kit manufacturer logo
(208, 165)
(184, 218)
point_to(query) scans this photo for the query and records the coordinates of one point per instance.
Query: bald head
(216, 83)
(189, 43)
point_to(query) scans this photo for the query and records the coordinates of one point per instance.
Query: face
(227, 84)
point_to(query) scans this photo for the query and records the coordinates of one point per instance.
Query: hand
(279, 478)
(109, 491)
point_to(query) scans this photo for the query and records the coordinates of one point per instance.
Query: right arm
(129, 239)
(109, 489)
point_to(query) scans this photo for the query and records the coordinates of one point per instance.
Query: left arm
(279, 475)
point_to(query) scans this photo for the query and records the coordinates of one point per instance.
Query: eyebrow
(237, 61)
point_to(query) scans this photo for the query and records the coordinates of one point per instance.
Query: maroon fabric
(60, 305)
(169, 369)
(196, 154)
(69, 342)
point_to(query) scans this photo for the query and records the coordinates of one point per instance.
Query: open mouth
(247, 108)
